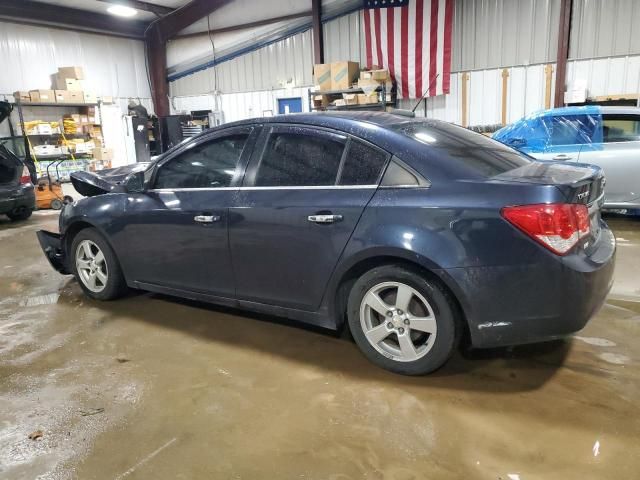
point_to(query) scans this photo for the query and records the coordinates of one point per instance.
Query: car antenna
(425, 93)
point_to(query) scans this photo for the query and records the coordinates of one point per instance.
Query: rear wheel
(56, 204)
(21, 213)
(402, 321)
(96, 267)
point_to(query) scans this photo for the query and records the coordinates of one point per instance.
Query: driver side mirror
(134, 183)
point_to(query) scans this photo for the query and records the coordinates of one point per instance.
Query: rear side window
(8, 169)
(620, 128)
(298, 159)
(480, 154)
(363, 165)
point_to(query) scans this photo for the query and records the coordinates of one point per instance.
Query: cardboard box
(22, 96)
(106, 99)
(40, 129)
(62, 96)
(90, 97)
(72, 84)
(46, 150)
(322, 75)
(76, 97)
(71, 72)
(339, 102)
(350, 98)
(370, 85)
(44, 96)
(320, 101)
(343, 74)
(102, 153)
(364, 99)
(380, 75)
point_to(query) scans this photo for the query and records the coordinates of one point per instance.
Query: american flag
(412, 39)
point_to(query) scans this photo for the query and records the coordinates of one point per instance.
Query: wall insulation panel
(29, 55)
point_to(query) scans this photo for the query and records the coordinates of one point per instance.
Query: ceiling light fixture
(122, 11)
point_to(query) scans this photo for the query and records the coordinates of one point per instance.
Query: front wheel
(402, 320)
(19, 214)
(96, 267)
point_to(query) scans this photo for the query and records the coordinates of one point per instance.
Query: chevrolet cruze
(415, 233)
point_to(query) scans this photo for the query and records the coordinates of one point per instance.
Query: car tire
(429, 321)
(95, 266)
(21, 214)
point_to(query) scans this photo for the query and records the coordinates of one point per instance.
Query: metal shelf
(55, 104)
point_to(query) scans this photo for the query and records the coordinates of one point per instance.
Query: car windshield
(476, 152)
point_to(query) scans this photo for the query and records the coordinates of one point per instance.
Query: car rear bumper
(510, 305)
(22, 198)
(51, 244)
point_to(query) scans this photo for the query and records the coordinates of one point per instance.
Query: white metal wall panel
(286, 62)
(344, 39)
(607, 76)
(29, 55)
(602, 28)
(496, 33)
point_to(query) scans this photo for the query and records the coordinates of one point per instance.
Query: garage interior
(153, 386)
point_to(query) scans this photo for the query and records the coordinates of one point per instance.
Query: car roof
(333, 119)
(587, 110)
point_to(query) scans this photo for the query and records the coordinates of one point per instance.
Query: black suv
(17, 195)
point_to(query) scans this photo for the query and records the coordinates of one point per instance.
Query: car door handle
(207, 218)
(562, 156)
(324, 218)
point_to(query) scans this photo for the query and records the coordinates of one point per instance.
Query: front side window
(572, 129)
(293, 159)
(207, 165)
(620, 128)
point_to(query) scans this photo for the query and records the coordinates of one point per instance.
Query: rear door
(10, 171)
(619, 156)
(302, 196)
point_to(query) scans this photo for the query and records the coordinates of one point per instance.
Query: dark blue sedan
(414, 232)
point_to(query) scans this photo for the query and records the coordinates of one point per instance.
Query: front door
(619, 157)
(175, 234)
(567, 134)
(302, 197)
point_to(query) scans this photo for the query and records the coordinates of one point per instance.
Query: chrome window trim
(310, 187)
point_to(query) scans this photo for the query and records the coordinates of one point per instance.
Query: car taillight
(25, 178)
(557, 226)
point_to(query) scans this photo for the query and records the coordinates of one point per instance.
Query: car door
(302, 196)
(567, 134)
(619, 156)
(175, 233)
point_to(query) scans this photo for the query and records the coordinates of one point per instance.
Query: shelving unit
(386, 99)
(64, 162)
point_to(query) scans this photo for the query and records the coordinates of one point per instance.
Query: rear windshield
(8, 169)
(476, 152)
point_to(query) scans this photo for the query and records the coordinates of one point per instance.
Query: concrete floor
(153, 387)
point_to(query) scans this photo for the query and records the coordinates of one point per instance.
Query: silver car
(605, 136)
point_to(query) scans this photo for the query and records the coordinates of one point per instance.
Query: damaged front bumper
(51, 244)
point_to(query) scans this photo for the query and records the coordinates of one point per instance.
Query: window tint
(572, 129)
(473, 151)
(363, 165)
(297, 159)
(7, 169)
(620, 128)
(207, 165)
(398, 175)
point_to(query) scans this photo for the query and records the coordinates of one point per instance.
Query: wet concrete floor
(154, 387)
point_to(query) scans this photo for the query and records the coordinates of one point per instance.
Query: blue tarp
(539, 131)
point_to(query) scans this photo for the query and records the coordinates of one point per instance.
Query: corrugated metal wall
(344, 39)
(603, 28)
(288, 61)
(498, 33)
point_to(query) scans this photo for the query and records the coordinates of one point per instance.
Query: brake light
(25, 178)
(557, 226)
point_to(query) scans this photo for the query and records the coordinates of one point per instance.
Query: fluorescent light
(122, 11)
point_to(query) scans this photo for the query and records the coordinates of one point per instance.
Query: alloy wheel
(398, 321)
(91, 266)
